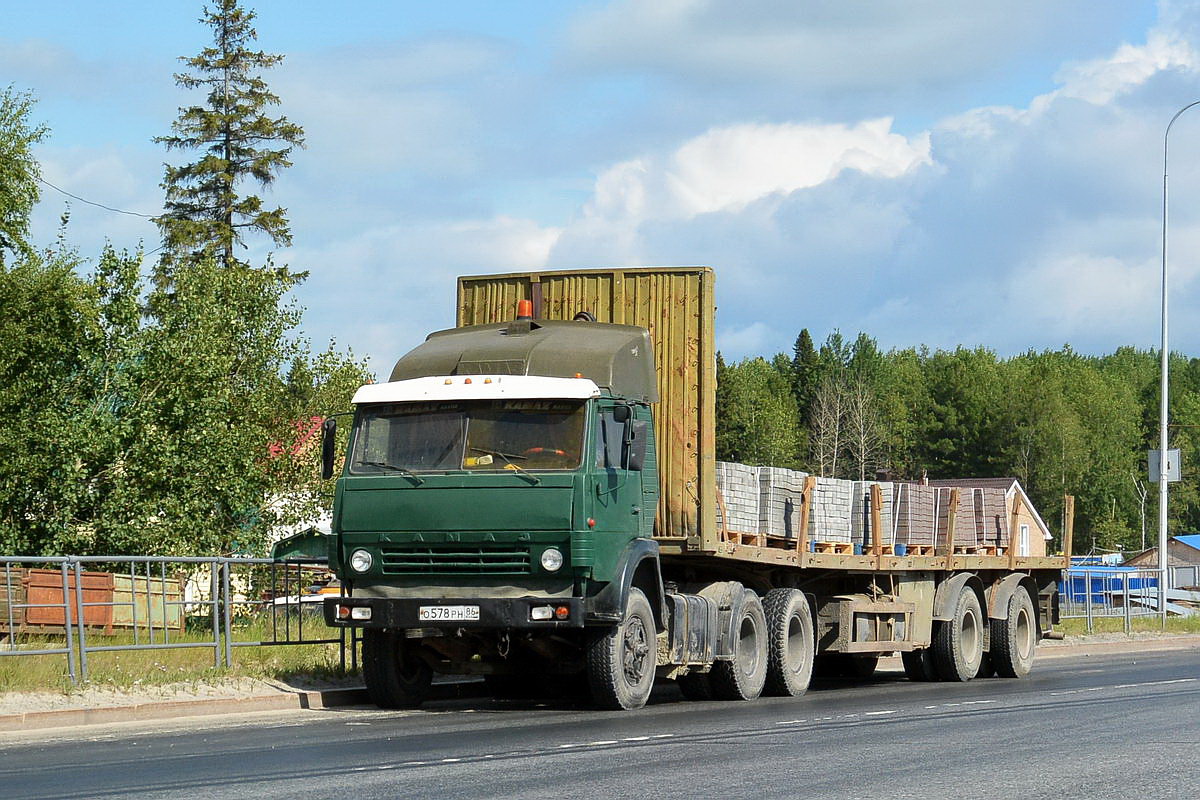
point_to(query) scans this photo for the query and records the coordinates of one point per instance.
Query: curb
(285, 700)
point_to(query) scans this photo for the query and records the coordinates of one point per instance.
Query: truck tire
(395, 676)
(919, 666)
(695, 686)
(790, 643)
(621, 659)
(1015, 637)
(743, 677)
(958, 645)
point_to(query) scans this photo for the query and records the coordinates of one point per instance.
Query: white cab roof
(477, 387)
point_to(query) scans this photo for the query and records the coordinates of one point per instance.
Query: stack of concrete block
(861, 517)
(991, 514)
(829, 518)
(916, 513)
(739, 488)
(779, 503)
(966, 525)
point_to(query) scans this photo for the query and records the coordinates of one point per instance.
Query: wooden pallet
(920, 549)
(742, 538)
(839, 548)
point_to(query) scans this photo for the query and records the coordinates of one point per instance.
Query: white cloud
(726, 169)
(829, 45)
(1065, 294)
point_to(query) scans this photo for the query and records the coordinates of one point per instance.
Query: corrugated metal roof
(1190, 539)
(975, 483)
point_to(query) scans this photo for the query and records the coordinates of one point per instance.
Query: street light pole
(1164, 354)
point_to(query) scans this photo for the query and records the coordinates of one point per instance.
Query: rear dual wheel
(1015, 637)
(958, 641)
(790, 643)
(743, 676)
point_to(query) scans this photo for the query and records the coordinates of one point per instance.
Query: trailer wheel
(621, 660)
(396, 677)
(695, 686)
(789, 643)
(919, 666)
(743, 677)
(1015, 637)
(958, 645)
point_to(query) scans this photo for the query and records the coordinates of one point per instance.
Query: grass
(1078, 626)
(127, 670)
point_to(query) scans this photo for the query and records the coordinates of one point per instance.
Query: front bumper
(494, 613)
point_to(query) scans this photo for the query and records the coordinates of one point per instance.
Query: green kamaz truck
(533, 494)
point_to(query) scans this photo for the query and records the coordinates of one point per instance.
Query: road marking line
(792, 722)
(636, 739)
(1124, 686)
(662, 736)
(565, 746)
(602, 742)
(877, 713)
(450, 760)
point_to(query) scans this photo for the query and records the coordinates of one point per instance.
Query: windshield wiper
(508, 458)
(408, 473)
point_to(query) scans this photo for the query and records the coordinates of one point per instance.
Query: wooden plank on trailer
(1068, 525)
(951, 521)
(877, 524)
(1014, 537)
(806, 496)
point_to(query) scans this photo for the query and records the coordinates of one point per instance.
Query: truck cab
(497, 501)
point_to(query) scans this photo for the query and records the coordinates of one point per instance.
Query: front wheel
(395, 675)
(621, 660)
(743, 677)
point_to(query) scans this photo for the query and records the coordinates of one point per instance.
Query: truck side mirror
(621, 414)
(639, 437)
(328, 442)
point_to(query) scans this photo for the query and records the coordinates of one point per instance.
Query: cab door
(617, 489)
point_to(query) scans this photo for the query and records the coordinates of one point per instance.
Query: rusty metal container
(676, 304)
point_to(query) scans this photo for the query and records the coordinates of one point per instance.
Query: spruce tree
(235, 139)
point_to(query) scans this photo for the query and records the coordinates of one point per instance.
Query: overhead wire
(91, 202)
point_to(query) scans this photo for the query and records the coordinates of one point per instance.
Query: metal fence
(76, 606)
(1115, 592)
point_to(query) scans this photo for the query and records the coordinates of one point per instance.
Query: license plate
(448, 613)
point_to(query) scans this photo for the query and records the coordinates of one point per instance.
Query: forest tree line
(1059, 421)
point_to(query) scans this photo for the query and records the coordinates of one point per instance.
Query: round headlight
(360, 561)
(552, 560)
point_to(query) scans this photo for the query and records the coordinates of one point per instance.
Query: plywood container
(676, 304)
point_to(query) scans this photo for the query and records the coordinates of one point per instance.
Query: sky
(930, 172)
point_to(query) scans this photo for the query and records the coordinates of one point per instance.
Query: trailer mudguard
(999, 594)
(729, 597)
(639, 567)
(947, 594)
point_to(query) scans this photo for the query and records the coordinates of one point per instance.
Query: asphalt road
(1079, 727)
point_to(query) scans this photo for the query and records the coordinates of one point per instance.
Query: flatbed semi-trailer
(533, 493)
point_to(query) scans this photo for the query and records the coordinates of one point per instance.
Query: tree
(236, 140)
(757, 419)
(827, 424)
(19, 170)
(805, 364)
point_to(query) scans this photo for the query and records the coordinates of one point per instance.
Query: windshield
(512, 435)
